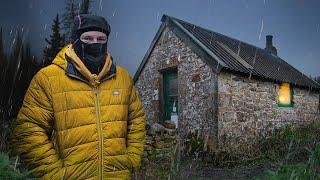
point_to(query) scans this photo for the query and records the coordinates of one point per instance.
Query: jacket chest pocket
(115, 97)
(114, 104)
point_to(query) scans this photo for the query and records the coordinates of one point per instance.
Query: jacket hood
(60, 59)
(74, 67)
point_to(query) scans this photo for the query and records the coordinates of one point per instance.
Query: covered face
(91, 37)
(89, 40)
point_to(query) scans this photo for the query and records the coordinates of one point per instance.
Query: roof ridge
(242, 42)
(270, 57)
(207, 29)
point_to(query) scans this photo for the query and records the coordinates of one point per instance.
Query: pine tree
(3, 59)
(3, 70)
(1, 47)
(14, 66)
(85, 7)
(28, 68)
(68, 17)
(55, 44)
(15, 78)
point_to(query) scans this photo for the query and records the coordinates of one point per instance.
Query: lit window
(285, 95)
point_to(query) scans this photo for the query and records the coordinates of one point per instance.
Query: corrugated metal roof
(245, 58)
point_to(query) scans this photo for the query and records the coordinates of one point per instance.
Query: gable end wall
(197, 86)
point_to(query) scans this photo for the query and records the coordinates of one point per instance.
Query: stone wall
(196, 86)
(248, 109)
(159, 153)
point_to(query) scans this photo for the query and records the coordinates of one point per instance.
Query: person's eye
(102, 39)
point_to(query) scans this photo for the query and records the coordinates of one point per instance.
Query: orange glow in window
(284, 94)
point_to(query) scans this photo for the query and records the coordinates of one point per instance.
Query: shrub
(9, 170)
(310, 170)
(286, 144)
(291, 144)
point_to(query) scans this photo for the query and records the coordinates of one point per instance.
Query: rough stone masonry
(228, 108)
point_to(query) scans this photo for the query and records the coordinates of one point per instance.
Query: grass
(285, 145)
(296, 150)
(292, 144)
(306, 171)
(293, 152)
(9, 168)
(289, 153)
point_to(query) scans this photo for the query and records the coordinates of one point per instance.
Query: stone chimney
(269, 47)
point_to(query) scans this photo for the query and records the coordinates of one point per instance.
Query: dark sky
(295, 24)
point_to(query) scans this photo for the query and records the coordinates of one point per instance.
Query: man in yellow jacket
(81, 117)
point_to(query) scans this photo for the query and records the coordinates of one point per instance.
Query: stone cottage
(229, 90)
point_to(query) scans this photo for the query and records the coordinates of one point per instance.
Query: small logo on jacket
(115, 93)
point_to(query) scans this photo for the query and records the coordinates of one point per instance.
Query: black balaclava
(92, 55)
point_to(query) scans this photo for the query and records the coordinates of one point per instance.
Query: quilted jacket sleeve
(136, 129)
(30, 138)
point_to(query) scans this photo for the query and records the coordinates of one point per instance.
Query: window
(285, 95)
(170, 95)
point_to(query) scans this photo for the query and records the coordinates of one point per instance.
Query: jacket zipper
(99, 124)
(104, 79)
(99, 132)
(74, 76)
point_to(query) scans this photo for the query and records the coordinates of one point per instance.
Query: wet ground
(198, 170)
(191, 171)
(223, 174)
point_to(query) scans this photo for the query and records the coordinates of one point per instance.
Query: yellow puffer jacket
(71, 128)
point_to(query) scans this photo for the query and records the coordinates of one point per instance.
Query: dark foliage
(85, 7)
(72, 9)
(9, 168)
(17, 68)
(55, 43)
(68, 16)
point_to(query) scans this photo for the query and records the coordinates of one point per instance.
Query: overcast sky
(293, 23)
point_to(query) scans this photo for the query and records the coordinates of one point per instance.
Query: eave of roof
(199, 43)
